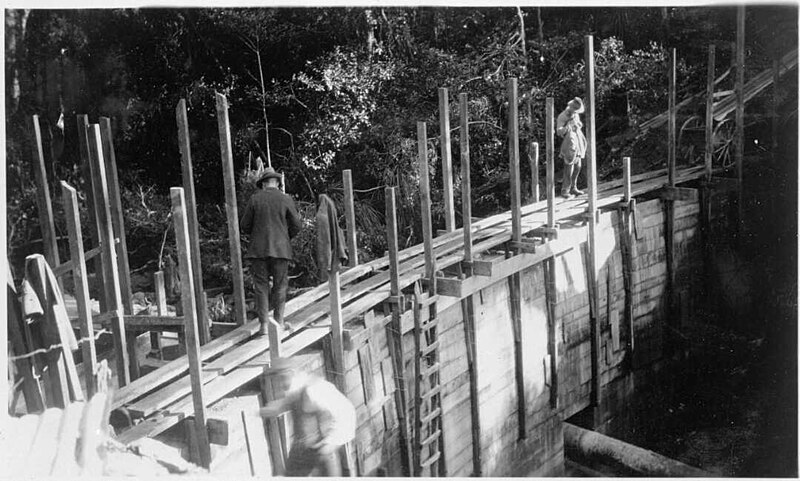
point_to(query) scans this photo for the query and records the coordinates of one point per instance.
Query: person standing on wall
(271, 221)
(573, 146)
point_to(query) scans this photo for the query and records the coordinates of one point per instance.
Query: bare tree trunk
(263, 103)
(665, 25)
(541, 33)
(371, 23)
(522, 34)
(16, 23)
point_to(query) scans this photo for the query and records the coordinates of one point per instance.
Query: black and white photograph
(393, 239)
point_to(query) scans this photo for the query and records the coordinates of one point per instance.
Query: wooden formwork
(538, 310)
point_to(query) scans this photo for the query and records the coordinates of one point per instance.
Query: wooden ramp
(163, 397)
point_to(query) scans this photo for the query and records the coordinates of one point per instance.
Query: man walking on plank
(573, 147)
(271, 221)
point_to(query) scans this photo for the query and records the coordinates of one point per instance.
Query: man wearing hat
(271, 221)
(573, 147)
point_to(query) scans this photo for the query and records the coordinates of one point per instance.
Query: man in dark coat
(271, 220)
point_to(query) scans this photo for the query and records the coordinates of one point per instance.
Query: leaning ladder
(428, 439)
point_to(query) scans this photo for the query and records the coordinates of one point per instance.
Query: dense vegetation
(341, 88)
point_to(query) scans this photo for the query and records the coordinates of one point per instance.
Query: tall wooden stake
(394, 331)
(337, 341)
(467, 306)
(447, 161)
(513, 157)
(118, 224)
(231, 208)
(591, 175)
(43, 197)
(191, 218)
(108, 254)
(160, 295)
(669, 208)
(425, 202)
(672, 118)
(776, 75)
(534, 160)
(627, 194)
(516, 236)
(627, 246)
(709, 153)
(81, 286)
(350, 217)
(88, 191)
(181, 226)
(739, 146)
(550, 148)
(117, 215)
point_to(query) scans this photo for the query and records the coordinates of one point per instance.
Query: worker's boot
(575, 191)
(263, 330)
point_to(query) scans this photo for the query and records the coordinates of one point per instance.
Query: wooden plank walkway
(237, 357)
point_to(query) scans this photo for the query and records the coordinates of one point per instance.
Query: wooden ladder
(428, 455)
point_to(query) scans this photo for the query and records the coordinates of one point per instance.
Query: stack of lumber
(163, 397)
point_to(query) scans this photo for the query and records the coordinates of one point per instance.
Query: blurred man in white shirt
(323, 420)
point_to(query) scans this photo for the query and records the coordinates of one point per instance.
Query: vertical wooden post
(118, 227)
(551, 295)
(161, 309)
(394, 331)
(776, 75)
(350, 217)
(739, 145)
(81, 287)
(108, 254)
(534, 160)
(627, 246)
(425, 202)
(94, 231)
(181, 226)
(230, 207)
(117, 216)
(516, 236)
(626, 180)
(466, 187)
(551, 299)
(709, 153)
(467, 306)
(45, 206)
(591, 175)
(669, 210)
(513, 157)
(672, 119)
(337, 343)
(191, 216)
(447, 161)
(550, 147)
